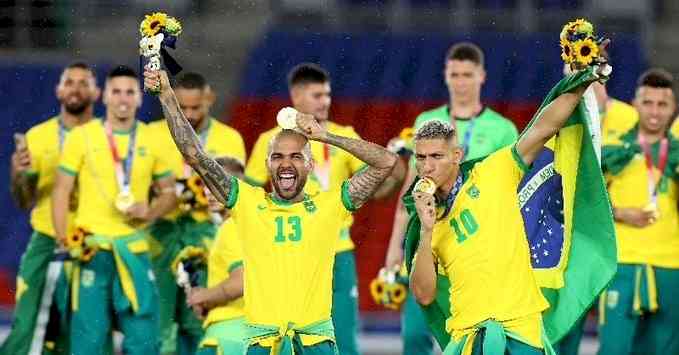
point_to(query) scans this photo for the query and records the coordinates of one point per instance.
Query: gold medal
(425, 185)
(124, 201)
(287, 118)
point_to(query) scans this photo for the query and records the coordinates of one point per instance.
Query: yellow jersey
(226, 255)
(44, 142)
(218, 140)
(658, 243)
(87, 155)
(332, 166)
(482, 246)
(288, 254)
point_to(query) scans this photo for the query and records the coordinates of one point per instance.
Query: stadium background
(385, 58)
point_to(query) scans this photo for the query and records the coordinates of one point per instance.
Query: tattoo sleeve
(380, 164)
(214, 176)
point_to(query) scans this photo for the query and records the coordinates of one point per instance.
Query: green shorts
(322, 348)
(224, 337)
(627, 325)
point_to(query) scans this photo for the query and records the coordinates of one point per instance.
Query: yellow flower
(377, 290)
(397, 294)
(585, 51)
(566, 51)
(152, 24)
(88, 254)
(583, 26)
(173, 26)
(577, 23)
(407, 134)
(578, 26)
(565, 30)
(195, 183)
(76, 239)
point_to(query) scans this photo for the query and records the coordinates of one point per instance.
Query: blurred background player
(34, 165)
(221, 303)
(638, 313)
(310, 92)
(189, 224)
(480, 131)
(116, 165)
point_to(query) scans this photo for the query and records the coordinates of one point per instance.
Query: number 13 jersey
(288, 253)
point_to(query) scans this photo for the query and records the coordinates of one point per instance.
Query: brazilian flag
(567, 219)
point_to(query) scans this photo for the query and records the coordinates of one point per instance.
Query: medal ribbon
(62, 132)
(654, 181)
(322, 171)
(123, 168)
(451, 196)
(467, 138)
(203, 139)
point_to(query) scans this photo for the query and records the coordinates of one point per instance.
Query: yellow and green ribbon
(131, 272)
(285, 339)
(645, 290)
(494, 340)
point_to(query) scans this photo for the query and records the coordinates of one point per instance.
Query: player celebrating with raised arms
(287, 253)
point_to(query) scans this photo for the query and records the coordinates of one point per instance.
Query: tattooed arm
(380, 164)
(380, 161)
(214, 176)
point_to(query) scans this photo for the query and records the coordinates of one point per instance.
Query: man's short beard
(198, 123)
(300, 188)
(77, 109)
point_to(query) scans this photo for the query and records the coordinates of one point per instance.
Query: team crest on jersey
(612, 299)
(141, 151)
(310, 206)
(473, 192)
(87, 278)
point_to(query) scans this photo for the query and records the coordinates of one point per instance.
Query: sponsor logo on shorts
(87, 278)
(612, 297)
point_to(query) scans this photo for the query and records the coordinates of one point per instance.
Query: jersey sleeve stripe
(233, 193)
(67, 170)
(235, 265)
(163, 175)
(346, 198)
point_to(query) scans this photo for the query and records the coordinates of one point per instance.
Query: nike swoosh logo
(261, 207)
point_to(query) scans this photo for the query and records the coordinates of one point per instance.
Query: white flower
(150, 46)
